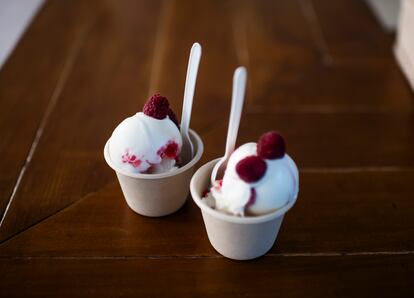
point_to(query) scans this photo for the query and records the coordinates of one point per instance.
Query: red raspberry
(205, 193)
(170, 150)
(157, 107)
(173, 117)
(251, 168)
(271, 145)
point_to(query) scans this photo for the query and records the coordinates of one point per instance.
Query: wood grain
(29, 81)
(266, 277)
(310, 58)
(329, 140)
(321, 72)
(337, 212)
(108, 82)
(218, 62)
(363, 39)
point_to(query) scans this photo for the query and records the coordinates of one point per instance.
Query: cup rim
(232, 218)
(196, 158)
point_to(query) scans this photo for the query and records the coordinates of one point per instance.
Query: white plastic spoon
(237, 99)
(187, 150)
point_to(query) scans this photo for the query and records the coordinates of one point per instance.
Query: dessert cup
(238, 238)
(157, 194)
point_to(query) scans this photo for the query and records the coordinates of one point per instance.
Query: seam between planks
(67, 68)
(189, 257)
(4, 241)
(327, 109)
(346, 170)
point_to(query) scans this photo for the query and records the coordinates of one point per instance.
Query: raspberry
(271, 145)
(173, 117)
(170, 150)
(157, 107)
(251, 168)
(131, 159)
(205, 193)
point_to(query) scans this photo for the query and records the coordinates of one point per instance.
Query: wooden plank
(277, 49)
(212, 25)
(102, 224)
(350, 30)
(337, 212)
(353, 276)
(29, 80)
(360, 46)
(346, 211)
(308, 56)
(109, 81)
(328, 140)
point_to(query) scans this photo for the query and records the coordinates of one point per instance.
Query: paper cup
(238, 238)
(157, 194)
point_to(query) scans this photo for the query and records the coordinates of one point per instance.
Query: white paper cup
(157, 194)
(238, 238)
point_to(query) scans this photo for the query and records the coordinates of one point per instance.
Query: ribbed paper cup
(157, 194)
(239, 238)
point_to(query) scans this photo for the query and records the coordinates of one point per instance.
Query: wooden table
(321, 72)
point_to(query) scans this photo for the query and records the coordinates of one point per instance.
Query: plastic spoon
(239, 87)
(187, 150)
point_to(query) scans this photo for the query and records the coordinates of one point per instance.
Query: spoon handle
(239, 87)
(190, 83)
(237, 99)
